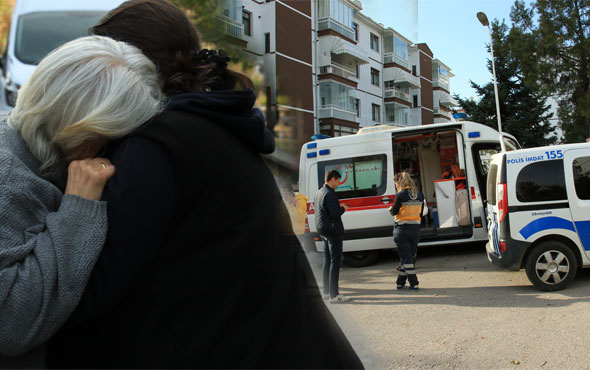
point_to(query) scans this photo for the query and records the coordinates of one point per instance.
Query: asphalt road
(469, 314)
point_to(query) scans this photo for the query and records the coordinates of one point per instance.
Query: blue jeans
(332, 264)
(406, 238)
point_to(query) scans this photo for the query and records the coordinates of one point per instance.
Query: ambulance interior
(438, 168)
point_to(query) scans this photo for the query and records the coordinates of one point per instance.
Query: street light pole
(483, 19)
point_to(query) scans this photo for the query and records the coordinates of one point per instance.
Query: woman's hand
(87, 178)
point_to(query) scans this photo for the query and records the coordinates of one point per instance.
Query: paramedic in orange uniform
(406, 210)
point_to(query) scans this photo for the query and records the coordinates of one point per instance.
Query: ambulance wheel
(361, 258)
(551, 266)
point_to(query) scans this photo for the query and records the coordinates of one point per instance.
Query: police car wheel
(551, 266)
(361, 258)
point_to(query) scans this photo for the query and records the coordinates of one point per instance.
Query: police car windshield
(39, 33)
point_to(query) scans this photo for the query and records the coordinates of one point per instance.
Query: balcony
(333, 49)
(397, 114)
(401, 77)
(392, 58)
(444, 98)
(441, 84)
(334, 111)
(229, 26)
(394, 92)
(327, 23)
(442, 112)
(339, 70)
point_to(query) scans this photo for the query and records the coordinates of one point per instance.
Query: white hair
(90, 89)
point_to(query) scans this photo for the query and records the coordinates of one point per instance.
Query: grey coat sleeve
(44, 267)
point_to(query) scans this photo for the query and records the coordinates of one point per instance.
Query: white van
(36, 28)
(539, 212)
(449, 161)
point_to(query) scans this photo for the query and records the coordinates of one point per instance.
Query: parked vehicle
(36, 28)
(449, 162)
(539, 212)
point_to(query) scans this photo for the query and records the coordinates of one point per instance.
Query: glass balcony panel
(396, 92)
(397, 114)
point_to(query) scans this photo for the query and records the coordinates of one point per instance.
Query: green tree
(552, 39)
(524, 113)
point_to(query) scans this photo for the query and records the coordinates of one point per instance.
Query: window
(484, 170)
(34, 42)
(376, 112)
(491, 184)
(415, 101)
(374, 77)
(388, 84)
(361, 176)
(533, 184)
(400, 51)
(247, 21)
(581, 167)
(357, 70)
(414, 71)
(267, 43)
(374, 42)
(337, 95)
(357, 107)
(356, 31)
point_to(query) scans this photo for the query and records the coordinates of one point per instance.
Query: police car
(539, 212)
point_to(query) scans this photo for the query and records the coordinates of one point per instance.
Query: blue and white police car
(539, 212)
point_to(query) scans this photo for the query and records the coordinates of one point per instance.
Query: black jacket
(328, 212)
(220, 287)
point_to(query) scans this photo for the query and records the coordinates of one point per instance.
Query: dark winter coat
(328, 212)
(195, 273)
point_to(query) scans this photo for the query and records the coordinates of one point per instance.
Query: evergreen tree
(523, 112)
(552, 39)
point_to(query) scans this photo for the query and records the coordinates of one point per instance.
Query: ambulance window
(534, 185)
(581, 167)
(361, 176)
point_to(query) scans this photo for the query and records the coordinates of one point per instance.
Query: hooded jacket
(195, 272)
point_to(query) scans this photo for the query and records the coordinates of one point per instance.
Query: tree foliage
(552, 40)
(524, 112)
(5, 13)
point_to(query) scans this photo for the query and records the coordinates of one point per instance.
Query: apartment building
(330, 69)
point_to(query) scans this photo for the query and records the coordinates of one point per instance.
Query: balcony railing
(442, 112)
(329, 23)
(334, 111)
(391, 57)
(229, 26)
(339, 70)
(392, 92)
(438, 83)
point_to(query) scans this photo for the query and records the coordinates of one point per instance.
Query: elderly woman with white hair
(83, 94)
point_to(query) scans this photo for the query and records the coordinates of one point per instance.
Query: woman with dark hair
(193, 273)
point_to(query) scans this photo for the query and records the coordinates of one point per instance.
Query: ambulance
(539, 212)
(448, 161)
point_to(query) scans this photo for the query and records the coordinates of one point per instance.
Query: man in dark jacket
(330, 227)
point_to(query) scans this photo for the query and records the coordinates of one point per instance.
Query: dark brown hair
(165, 35)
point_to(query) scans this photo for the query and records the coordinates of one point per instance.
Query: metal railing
(442, 112)
(229, 26)
(339, 70)
(329, 23)
(392, 92)
(334, 111)
(438, 83)
(391, 57)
